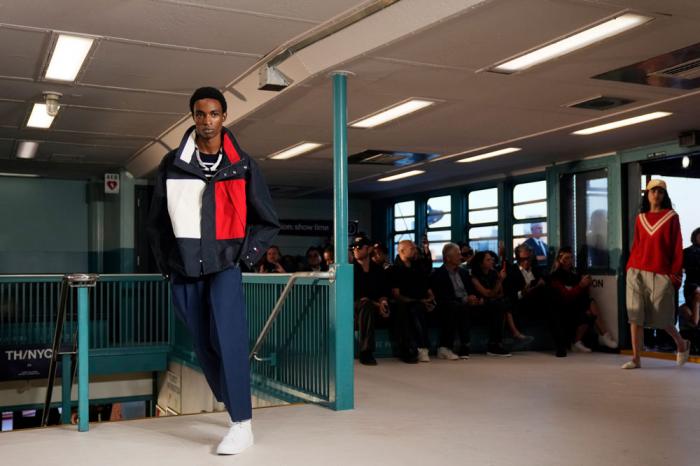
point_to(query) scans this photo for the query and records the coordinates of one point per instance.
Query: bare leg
(695, 308)
(637, 332)
(680, 342)
(600, 326)
(511, 325)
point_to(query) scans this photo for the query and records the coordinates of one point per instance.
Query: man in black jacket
(211, 209)
(454, 294)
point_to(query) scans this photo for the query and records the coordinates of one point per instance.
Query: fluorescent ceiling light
(621, 123)
(402, 175)
(488, 155)
(297, 149)
(68, 56)
(392, 113)
(27, 149)
(39, 117)
(577, 41)
(20, 175)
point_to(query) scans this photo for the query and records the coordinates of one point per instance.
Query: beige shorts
(650, 299)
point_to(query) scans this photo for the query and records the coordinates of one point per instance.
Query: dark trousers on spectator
(493, 312)
(213, 309)
(454, 321)
(365, 322)
(413, 326)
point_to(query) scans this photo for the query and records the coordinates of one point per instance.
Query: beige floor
(532, 409)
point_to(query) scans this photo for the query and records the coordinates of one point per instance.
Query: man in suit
(535, 243)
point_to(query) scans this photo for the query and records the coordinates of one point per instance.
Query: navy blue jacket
(198, 226)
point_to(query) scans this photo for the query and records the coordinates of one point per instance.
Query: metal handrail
(79, 280)
(330, 275)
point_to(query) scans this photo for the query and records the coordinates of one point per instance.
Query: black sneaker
(367, 359)
(561, 353)
(463, 352)
(498, 351)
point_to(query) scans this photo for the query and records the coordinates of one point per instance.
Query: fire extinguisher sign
(112, 183)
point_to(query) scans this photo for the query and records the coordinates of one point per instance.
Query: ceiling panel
(140, 67)
(11, 113)
(177, 23)
(22, 52)
(112, 122)
(6, 148)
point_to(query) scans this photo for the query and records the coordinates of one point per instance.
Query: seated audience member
(371, 298)
(689, 314)
(409, 287)
(488, 284)
(314, 262)
(525, 288)
(454, 294)
(380, 256)
(574, 305)
(467, 254)
(272, 262)
(328, 255)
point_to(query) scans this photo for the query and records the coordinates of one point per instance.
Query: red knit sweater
(657, 246)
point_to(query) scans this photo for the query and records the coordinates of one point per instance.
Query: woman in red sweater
(654, 272)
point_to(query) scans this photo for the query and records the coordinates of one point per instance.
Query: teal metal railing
(125, 311)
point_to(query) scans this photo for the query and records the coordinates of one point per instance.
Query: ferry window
(585, 218)
(439, 219)
(530, 216)
(483, 219)
(404, 222)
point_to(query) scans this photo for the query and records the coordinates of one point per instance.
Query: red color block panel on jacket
(230, 209)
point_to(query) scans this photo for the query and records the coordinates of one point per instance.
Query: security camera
(51, 99)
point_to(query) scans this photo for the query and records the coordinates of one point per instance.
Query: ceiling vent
(389, 158)
(601, 103)
(687, 70)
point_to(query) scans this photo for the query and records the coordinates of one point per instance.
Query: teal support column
(66, 388)
(83, 376)
(343, 287)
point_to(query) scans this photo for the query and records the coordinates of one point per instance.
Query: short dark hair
(694, 236)
(207, 93)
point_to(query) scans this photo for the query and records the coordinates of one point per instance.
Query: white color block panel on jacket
(185, 207)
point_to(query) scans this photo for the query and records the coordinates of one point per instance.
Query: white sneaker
(682, 356)
(423, 355)
(446, 353)
(239, 437)
(579, 347)
(607, 340)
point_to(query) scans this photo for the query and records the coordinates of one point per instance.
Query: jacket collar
(185, 152)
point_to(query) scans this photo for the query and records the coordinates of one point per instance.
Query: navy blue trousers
(213, 309)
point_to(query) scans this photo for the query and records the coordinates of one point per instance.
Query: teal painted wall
(44, 225)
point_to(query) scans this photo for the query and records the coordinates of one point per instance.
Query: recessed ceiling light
(68, 56)
(27, 149)
(293, 151)
(392, 113)
(488, 155)
(39, 117)
(402, 175)
(685, 162)
(622, 123)
(20, 175)
(574, 42)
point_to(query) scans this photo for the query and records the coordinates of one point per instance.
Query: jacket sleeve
(159, 227)
(262, 222)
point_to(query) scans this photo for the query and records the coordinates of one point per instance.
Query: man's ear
(223, 117)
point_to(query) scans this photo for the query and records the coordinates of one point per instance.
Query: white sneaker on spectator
(446, 353)
(423, 355)
(238, 438)
(607, 340)
(579, 347)
(682, 356)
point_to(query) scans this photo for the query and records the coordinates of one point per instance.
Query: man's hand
(384, 307)
(585, 281)
(429, 304)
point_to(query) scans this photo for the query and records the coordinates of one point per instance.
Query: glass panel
(405, 209)
(438, 212)
(483, 216)
(524, 230)
(440, 235)
(525, 192)
(404, 224)
(436, 252)
(483, 198)
(484, 245)
(596, 223)
(534, 210)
